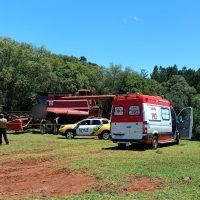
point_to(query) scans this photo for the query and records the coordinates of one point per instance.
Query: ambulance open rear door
(185, 123)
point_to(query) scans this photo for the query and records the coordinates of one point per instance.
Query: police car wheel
(106, 135)
(154, 142)
(69, 135)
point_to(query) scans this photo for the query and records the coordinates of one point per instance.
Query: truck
(149, 120)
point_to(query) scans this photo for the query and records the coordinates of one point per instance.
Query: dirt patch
(108, 187)
(38, 177)
(142, 184)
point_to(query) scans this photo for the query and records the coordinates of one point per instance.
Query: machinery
(60, 108)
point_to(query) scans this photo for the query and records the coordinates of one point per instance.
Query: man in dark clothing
(3, 122)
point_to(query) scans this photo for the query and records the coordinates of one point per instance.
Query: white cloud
(136, 19)
(130, 20)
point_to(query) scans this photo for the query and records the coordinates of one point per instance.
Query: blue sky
(134, 33)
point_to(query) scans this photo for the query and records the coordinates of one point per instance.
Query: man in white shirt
(3, 122)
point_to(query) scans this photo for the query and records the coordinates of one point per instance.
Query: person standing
(43, 126)
(3, 123)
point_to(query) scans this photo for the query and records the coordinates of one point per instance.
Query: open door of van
(185, 123)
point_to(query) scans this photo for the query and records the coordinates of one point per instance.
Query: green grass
(101, 159)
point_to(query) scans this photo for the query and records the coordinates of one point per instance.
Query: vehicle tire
(69, 135)
(121, 145)
(154, 143)
(177, 138)
(49, 126)
(105, 135)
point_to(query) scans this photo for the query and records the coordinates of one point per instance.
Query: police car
(87, 127)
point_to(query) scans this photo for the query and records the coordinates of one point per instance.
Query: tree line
(26, 70)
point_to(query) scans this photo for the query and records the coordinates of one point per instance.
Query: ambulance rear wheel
(154, 143)
(121, 146)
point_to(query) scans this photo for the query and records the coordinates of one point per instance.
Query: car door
(84, 128)
(185, 122)
(166, 122)
(96, 125)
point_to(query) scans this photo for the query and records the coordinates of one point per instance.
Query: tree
(83, 59)
(155, 74)
(154, 88)
(178, 91)
(196, 105)
(144, 73)
(164, 74)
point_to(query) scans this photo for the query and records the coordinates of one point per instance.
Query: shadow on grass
(17, 132)
(140, 147)
(135, 147)
(36, 132)
(78, 138)
(33, 131)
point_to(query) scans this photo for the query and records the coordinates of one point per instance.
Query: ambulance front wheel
(154, 143)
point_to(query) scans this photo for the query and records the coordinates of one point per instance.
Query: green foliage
(25, 71)
(154, 88)
(177, 87)
(192, 77)
(162, 74)
(118, 81)
(182, 88)
(196, 104)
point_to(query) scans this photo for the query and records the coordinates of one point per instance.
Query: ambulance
(151, 120)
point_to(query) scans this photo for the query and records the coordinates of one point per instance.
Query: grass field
(112, 167)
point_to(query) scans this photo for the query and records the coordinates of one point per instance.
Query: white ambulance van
(137, 118)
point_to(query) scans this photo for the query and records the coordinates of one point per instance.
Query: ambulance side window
(165, 114)
(119, 111)
(134, 110)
